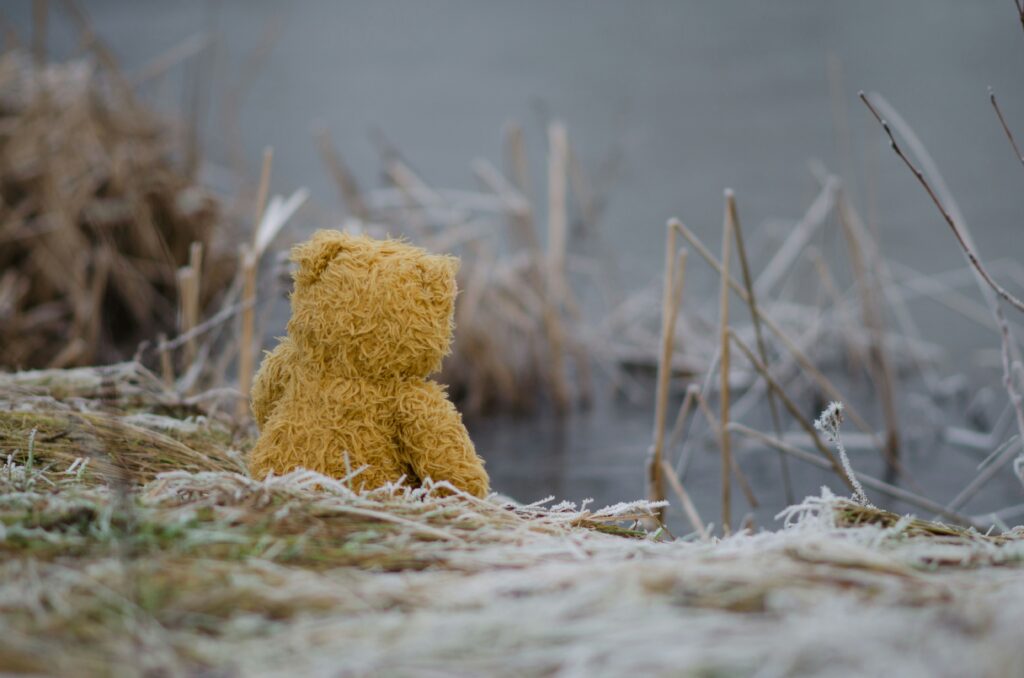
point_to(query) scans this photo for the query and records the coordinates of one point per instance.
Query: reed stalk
(732, 213)
(723, 370)
(249, 267)
(671, 296)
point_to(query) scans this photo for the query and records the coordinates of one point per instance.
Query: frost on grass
(209, 571)
(828, 423)
(132, 544)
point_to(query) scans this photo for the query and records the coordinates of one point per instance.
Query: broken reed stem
(885, 488)
(672, 293)
(961, 240)
(348, 188)
(558, 226)
(517, 168)
(195, 265)
(557, 240)
(1006, 128)
(186, 284)
(689, 508)
(723, 371)
(733, 215)
(248, 266)
(262, 193)
(166, 366)
(794, 411)
(791, 346)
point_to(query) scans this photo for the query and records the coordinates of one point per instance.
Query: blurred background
(665, 104)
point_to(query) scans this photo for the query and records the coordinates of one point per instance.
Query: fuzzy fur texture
(371, 320)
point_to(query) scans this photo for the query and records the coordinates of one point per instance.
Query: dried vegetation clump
(97, 214)
(113, 424)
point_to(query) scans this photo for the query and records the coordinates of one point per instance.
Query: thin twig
(1002, 121)
(968, 251)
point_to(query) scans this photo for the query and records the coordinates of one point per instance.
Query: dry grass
(131, 535)
(96, 217)
(200, 571)
(119, 423)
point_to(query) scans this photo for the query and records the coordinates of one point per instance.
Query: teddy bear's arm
(435, 441)
(272, 379)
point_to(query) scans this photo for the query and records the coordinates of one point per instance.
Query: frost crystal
(828, 423)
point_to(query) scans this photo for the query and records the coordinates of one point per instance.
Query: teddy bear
(347, 387)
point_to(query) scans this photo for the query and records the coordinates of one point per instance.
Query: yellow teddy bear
(348, 387)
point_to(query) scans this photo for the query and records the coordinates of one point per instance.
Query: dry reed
(97, 217)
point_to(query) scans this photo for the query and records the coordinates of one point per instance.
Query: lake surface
(696, 96)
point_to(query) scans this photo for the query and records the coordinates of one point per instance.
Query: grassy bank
(174, 562)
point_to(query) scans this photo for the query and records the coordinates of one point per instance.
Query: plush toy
(348, 387)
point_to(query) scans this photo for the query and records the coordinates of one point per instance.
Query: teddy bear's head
(372, 308)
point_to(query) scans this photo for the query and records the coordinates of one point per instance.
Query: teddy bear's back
(320, 419)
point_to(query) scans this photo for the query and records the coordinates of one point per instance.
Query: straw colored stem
(673, 288)
(689, 508)
(245, 348)
(558, 223)
(733, 215)
(723, 370)
(262, 193)
(557, 241)
(166, 366)
(798, 354)
(195, 264)
(186, 316)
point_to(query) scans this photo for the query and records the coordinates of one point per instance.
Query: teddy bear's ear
(314, 255)
(439, 272)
